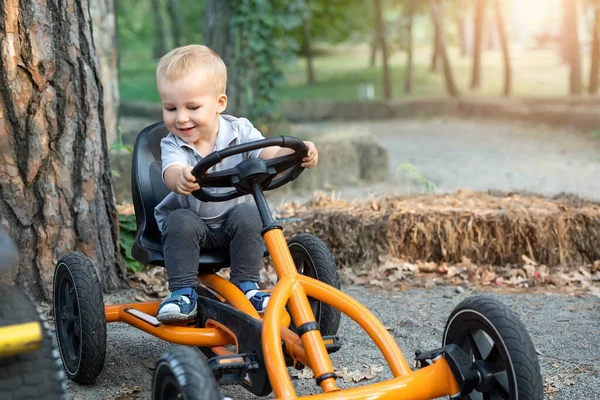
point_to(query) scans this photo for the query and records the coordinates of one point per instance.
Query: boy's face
(191, 106)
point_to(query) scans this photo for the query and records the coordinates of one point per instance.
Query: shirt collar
(226, 134)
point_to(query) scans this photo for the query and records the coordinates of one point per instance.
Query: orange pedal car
(486, 352)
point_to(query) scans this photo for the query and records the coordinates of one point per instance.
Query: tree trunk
(435, 54)
(373, 52)
(56, 192)
(310, 71)
(595, 52)
(504, 45)
(105, 42)
(572, 46)
(218, 36)
(409, 46)
(436, 13)
(479, 20)
(174, 9)
(160, 46)
(461, 24)
(379, 28)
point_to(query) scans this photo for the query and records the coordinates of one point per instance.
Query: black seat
(148, 189)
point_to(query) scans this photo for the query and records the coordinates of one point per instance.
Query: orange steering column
(289, 288)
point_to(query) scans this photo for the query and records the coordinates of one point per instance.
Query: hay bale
(485, 228)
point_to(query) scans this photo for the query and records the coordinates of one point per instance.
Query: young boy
(191, 82)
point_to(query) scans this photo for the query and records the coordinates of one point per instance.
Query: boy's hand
(186, 183)
(312, 157)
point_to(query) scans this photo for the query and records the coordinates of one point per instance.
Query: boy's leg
(184, 233)
(242, 230)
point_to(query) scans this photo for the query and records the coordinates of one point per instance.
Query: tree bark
(105, 42)
(448, 77)
(218, 36)
(504, 45)
(160, 46)
(310, 71)
(408, 76)
(380, 30)
(174, 8)
(56, 192)
(479, 20)
(572, 46)
(595, 52)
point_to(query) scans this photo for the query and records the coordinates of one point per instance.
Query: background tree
(436, 61)
(174, 9)
(479, 21)
(218, 36)
(448, 76)
(160, 44)
(573, 53)
(105, 42)
(408, 77)
(55, 186)
(504, 44)
(307, 43)
(595, 50)
(380, 32)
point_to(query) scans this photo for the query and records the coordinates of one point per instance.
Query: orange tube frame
(433, 381)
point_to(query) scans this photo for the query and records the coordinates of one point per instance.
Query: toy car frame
(486, 352)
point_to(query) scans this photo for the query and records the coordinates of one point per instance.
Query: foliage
(412, 172)
(136, 24)
(261, 45)
(336, 21)
(127, 234)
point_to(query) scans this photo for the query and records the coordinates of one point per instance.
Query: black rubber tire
(183, 373)
(502, 340)
(313, 258)
(79, 318)
(35, 375)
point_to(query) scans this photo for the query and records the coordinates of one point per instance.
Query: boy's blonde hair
(182, 60)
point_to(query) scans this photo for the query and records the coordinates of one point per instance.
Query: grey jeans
(185, 234)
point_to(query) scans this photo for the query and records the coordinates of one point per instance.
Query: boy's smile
(191, 106)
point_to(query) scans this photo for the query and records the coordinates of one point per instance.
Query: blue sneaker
(252, 291)
(181, 305)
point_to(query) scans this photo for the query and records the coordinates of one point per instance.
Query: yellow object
(22, 338)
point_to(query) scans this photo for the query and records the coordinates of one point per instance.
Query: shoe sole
(176, 317)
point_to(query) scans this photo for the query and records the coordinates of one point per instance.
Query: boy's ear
(221, 103)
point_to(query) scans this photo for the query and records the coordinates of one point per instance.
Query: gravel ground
(564, 330)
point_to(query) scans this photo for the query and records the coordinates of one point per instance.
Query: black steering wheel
(249, 172)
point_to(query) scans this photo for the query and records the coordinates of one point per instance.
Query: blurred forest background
(280, 50)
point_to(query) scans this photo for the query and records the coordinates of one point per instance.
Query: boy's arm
(179, 179)
(310, 161)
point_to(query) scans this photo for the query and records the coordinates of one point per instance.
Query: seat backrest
(148, 189)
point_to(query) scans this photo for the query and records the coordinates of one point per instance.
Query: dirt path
(563, 328)
(481, 155)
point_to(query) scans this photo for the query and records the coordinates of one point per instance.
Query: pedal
(233, 369)
(332, 343)
(464, 370)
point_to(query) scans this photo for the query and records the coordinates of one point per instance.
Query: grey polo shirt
(174, 151)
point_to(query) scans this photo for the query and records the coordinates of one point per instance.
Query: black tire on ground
(313, 259)
(182, 372)
(79, 317)
(35, 375)
(488, 330)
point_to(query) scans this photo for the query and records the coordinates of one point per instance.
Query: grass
(342, 69)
